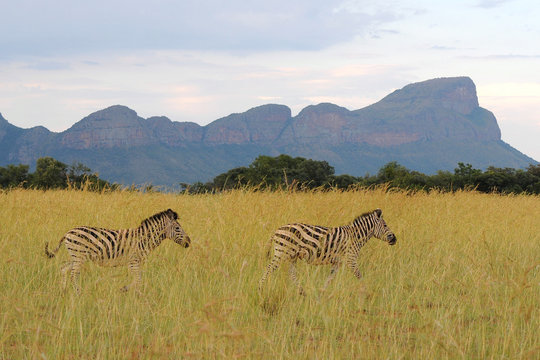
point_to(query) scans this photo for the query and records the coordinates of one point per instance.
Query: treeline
(284, 171)
(52, 174)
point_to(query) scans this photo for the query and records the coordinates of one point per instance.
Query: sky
(61, 60)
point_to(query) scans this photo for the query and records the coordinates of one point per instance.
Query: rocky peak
(428, 110)
(6, 128)
(4, 124)
(316, 124)
(114, 126)
(456, 94)
(174, 133)
(111, 117)
(323, 109)
(439, 121)
(159, 122)
(261, 124)
(431, 110)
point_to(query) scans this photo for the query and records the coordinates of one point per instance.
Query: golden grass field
(463, 280)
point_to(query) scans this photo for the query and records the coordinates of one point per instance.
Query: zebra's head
(381, 230)
(174, 231)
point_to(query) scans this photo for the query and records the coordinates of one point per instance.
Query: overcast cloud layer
(197, 61)
(67, 26)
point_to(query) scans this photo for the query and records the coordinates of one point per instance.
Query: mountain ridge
(407, 125)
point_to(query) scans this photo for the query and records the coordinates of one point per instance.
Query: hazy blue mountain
(426, 126)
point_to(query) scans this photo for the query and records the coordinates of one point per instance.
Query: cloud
(442, 48)
(66, 26)
(503, 57)
(488, 4)
(511, 90)
(48, 65)
(269, 98)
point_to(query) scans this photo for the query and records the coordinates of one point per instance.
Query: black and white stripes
(118, 247)
(319, 245)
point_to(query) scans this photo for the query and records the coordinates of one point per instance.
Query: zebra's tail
(49, 254)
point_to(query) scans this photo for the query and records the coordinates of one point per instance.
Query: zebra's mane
(167, 213)
(368, 213)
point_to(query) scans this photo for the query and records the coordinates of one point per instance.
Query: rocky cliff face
(411, 123)
(22, 145)
(116, 126)
(435, 109)
(260, 125)
(455, 94)
(5, 128)
(172, 133)
(3, 125)
(432, 109)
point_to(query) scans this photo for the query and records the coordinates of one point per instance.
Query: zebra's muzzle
(392, 239)
(187, 242)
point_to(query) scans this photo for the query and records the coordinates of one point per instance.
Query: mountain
(425, 126)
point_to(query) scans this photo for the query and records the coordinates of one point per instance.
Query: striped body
(320, 245)
(108, 247)
(129, 247)
(317, 245)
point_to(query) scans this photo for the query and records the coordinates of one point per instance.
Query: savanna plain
(463, 280)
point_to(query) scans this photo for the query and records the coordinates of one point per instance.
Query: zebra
(320, 245)
(118, 247)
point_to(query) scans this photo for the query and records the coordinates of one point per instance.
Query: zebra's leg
(65, 271)
(352, 262)
(294, 277)
(274, 264)
(134, 268)
(75, 272)
(335, 267)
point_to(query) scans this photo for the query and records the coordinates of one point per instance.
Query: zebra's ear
(172, 214)
(378, 212)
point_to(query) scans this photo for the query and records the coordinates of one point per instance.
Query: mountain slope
(426, 126)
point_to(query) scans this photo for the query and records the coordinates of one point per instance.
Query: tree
(284, 171)
(230, 179)
(342, 181)
(13, 175)
(78, 171)
(80, 176)
(465, 176)
(499, 179)
(392, 172)
(533, 186)
(314, 173)
(442, 180)
(275, 172)
(196, 188)
(50, 173)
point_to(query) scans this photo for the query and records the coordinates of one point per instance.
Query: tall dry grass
(462, 281)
